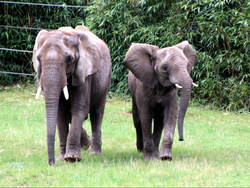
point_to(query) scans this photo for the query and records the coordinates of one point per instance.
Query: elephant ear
(37, 46)
(81, 28)
(139, 61)
(89, 56)
(189, 53)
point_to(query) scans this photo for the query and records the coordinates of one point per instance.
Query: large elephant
(77, 63)
(154, 78)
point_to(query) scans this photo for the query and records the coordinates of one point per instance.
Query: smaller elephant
(76, 64)
(154, 79)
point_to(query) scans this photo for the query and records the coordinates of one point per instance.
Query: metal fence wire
(29, 28)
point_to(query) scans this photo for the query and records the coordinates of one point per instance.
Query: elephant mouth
(165, 81)
(65, 92)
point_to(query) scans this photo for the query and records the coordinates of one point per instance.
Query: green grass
(216, 151)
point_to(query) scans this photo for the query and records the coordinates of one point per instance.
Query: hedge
(218, 31)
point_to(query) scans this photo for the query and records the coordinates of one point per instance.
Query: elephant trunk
(185, 97)
(51, 104)
(52, 85)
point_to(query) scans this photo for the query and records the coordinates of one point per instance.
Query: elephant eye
(68, 60)
(38, 58)
(164, 68)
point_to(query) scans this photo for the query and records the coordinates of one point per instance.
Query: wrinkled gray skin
(78, 59)
(152, 78)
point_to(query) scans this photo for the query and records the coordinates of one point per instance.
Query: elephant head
(160, 69)
(57, 56)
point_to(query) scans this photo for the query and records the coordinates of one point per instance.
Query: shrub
(30, 16)
(218, 31)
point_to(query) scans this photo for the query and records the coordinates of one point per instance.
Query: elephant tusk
(194, 84)
(66, 92)
(178, 86)
(38, 93)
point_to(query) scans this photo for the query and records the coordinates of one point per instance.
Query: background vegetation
(215, 152)
(218, 30)
(34, 17)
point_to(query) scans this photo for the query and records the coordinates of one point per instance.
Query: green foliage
(120, 23)
(30, 16)
(218, 30)
(220, 34)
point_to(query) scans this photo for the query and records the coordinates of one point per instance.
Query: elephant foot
(149, 156)
(95, 152)
(165, 156)
(166, 147)
(139, 147)
(139, 150)
(60, 157)
(85, 140)
(72, 157)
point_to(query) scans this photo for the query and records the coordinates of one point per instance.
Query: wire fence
(23, 74)
(50, 5)
(13, 27)
(15, 50)
(29, 28)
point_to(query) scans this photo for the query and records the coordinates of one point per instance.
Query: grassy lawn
(216, 151)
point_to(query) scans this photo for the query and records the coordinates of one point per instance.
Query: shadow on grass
(182, 154)
(112, 156)
(125, 156)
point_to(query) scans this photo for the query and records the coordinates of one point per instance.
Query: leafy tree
(30, 16)
(218, 31)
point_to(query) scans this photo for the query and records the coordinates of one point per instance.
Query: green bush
(218, 30)
(30, 16)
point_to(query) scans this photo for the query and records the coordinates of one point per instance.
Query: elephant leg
(158, 127)
(137, 124)
(85, 140)
(169, 128)
(73, 149)
(80, 109)
(96, 123)
(149, 149)
(63, 119)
